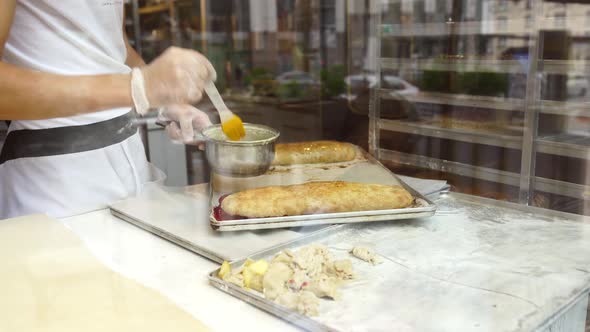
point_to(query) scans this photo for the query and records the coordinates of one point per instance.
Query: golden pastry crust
(315, 198)
(313, 153)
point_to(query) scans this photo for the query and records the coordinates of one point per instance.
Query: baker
(67, 87)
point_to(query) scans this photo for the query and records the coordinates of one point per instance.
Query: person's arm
(26, 94)
(177, 76)
(29, 95)
(133, 59)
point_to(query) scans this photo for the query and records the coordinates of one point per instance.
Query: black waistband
(63, 140)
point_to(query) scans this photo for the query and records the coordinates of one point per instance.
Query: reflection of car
(398, 86)
(357, 84)
(577, 86)
(297, 76)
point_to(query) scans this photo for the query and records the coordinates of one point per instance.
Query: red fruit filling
(221, 215)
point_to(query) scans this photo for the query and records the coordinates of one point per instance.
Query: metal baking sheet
(421, 208)
(489, 262)
(365, 169)
(180, 215)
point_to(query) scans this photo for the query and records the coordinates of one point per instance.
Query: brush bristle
(234, 128)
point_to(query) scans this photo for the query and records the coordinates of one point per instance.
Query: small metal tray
(366, 169)
(257, 299)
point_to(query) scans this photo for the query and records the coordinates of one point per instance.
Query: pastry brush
(231, 124)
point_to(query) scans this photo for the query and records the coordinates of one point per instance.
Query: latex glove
(177, 76)
(182, 121)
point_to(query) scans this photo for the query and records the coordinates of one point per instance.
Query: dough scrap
(312, 259)
(303, 302)
(249, 275)
(325, 286)
(298, 279)
(308, 304)
(236, 279)
(288, 299)
(275, 280)
(284, 256)
(341, 269)
(366, 254)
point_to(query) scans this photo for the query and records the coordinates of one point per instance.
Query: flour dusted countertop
(173, 271)
(470, 268)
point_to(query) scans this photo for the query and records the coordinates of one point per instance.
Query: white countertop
(175, 272)
(464, 267)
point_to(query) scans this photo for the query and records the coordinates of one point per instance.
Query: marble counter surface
(471, 268)
(175, 272)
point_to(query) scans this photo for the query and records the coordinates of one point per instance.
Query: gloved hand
(177, 76)
(182, 121)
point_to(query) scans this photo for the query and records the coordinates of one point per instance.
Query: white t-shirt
(71, 37)
(68, 37)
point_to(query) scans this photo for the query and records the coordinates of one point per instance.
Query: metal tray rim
(333, 218)
(314, 222)
(427, 208)
(167, 236)
(262, 303)
(199, 250)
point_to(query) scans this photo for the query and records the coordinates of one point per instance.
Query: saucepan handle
(198, 135)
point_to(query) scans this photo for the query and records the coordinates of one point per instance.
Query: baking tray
(258, 300)
(365, 169)
(180, 216)
(467, 269)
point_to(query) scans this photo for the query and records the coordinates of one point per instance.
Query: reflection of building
(485, 29)
(512, 19)
(361, 16)
(573, 18)
(278, 35)
(333, 26)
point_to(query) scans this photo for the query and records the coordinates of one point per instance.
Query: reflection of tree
(332, 80)
(298, 58)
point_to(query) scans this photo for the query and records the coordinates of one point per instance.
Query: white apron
(70, 37)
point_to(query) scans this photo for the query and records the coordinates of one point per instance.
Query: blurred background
(298, 66)
(490, 95)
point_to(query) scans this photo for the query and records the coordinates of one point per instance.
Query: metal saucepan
(250, 156)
